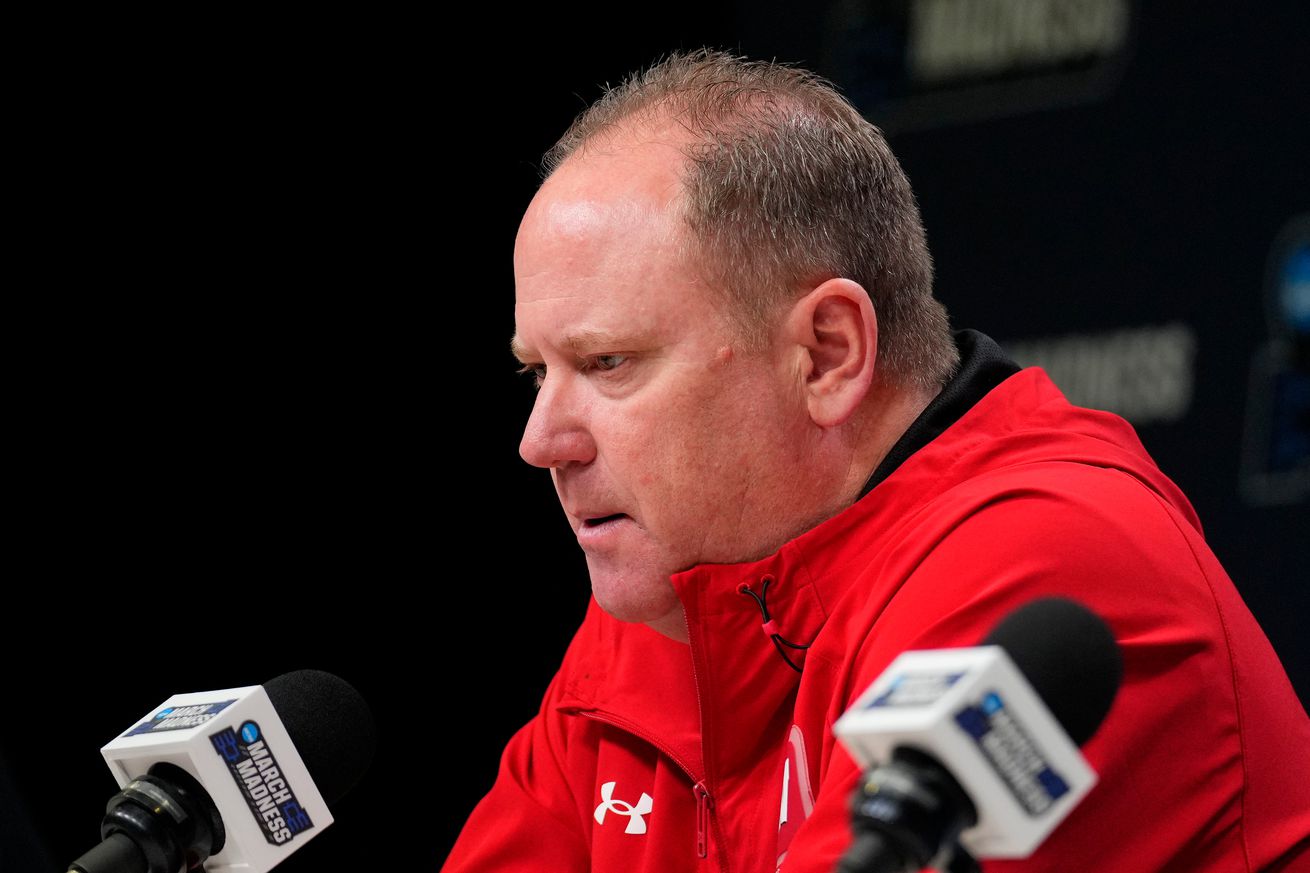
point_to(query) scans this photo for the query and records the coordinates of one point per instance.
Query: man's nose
(557, 432)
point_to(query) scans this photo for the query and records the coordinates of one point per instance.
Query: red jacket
(649, 756)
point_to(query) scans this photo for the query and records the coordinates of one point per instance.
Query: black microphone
(238, 778)
(964, 747)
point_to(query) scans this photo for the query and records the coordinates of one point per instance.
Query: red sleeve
(527, 823)
(1183, 756)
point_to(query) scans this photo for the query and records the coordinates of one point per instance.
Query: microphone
(232, 780)
(979, 745)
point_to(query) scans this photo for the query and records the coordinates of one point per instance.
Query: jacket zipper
(698, 790)
(702, 819)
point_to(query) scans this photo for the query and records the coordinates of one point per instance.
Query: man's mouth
(603, 532)
(599, 520)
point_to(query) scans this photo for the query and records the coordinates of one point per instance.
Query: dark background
(266, 405)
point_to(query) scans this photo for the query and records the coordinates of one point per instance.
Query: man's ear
(833, 333)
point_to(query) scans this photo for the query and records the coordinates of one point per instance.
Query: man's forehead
(599, 216)
(571, 218)
(603, 246)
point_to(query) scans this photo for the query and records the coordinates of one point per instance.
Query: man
(784, 471)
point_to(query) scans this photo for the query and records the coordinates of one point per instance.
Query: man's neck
(888, 413)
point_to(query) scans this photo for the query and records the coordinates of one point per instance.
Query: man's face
(667, 445)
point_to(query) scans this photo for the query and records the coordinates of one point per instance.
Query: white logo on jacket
(797, 795)
(636, 823)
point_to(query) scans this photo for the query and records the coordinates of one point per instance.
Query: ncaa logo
(635, 814)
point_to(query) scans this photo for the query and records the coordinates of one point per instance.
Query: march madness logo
(916, 64)
(270, 798)
(180, 718)
(1013, 754)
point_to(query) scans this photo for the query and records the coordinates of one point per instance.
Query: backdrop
(274, 420)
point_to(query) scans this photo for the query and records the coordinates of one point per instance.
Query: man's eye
(536, 371)
(608, 362)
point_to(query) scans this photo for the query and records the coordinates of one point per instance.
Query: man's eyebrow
(519, 349)
(582, 343)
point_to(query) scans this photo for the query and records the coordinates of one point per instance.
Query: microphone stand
(907, 814)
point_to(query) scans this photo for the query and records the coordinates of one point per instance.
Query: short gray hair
(787, 185)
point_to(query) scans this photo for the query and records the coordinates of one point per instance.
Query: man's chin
(639, 612)
(644, 601)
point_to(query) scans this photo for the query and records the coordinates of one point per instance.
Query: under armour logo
(636, 824)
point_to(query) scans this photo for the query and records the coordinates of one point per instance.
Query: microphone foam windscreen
(330, 724)
(1069, 656)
